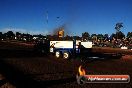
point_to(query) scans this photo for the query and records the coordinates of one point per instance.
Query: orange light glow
(61, 33)
(81, 70)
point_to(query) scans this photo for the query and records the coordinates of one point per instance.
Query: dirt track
(45, 71)
(23, 68)
(111, 50)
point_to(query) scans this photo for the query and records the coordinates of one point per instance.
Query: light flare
(81, 71)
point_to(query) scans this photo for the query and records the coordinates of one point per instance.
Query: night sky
(43, 16)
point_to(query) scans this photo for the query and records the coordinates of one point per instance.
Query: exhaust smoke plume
(61, 28)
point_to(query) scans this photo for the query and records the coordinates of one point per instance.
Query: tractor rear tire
(66, 55)
(57, 54)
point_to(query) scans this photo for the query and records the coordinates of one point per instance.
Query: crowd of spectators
(115, 43)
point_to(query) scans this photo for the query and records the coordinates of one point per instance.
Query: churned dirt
(26, 69)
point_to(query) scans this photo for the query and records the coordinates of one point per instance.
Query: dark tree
(120, 35)
(18, 33)
(118, 26)
(113, 36)
(10, 35)
(85, 35)
(129, 35)
(106, 37)
(94, 37)
(100, 36)
(40, 36)
(1, 35)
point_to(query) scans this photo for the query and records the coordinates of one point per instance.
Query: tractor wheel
(57, 54)
(66, 55)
